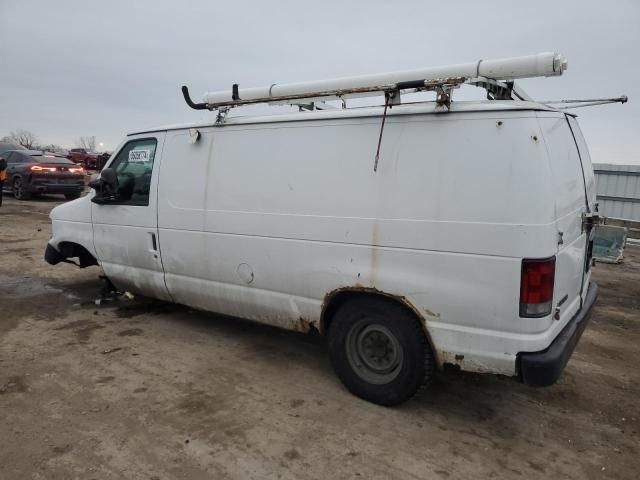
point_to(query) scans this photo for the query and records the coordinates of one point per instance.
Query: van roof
(418, 108)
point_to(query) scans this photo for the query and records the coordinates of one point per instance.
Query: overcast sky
(104, 68)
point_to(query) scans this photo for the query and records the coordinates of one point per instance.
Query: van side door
(125, 229)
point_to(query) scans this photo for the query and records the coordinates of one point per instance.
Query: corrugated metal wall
(618, 190)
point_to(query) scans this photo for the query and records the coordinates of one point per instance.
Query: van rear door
(574, 194)
(590, 218)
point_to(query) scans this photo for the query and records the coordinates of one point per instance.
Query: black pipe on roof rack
(187, 98)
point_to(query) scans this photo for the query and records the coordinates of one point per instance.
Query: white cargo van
(468, 244)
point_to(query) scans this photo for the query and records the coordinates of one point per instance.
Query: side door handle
(154, 245)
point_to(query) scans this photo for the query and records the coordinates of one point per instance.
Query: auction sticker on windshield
(139, 156)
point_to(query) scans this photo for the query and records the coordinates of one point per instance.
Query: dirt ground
(144, 390)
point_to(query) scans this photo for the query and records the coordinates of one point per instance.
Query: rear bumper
(52, 183)
(540, 369)
(54, 187)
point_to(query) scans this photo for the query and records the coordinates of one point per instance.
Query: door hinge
(590, 220)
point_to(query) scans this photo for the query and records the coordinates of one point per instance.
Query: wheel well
(72, 250)
(335, 299)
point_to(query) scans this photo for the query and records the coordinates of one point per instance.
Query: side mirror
(108, 177)
(106, 187)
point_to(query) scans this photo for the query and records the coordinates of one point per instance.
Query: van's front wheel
(379, 350)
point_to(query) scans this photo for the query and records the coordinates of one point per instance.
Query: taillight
(38, 168)
(536, 286)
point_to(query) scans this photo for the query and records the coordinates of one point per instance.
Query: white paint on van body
(459, 199)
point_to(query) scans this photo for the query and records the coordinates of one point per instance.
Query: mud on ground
(146, 390)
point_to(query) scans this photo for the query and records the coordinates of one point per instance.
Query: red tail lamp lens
(536, 287)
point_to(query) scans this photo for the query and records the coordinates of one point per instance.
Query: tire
(72, 196)
(18, 190)
(379, 350)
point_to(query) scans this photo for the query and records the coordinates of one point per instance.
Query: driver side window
(134, 166)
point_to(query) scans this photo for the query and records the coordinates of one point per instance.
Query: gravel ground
(145, 390)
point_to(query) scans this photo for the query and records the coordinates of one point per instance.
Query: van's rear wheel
(379, 350)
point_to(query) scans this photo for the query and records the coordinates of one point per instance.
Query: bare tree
(88, 143)
(25, 138)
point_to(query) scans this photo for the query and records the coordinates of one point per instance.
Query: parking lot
(141, 389)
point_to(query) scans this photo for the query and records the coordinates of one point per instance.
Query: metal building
(618, 190)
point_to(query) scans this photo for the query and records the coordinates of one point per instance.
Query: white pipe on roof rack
(541, 65)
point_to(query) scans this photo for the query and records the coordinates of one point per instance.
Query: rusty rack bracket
(222, 115)
(495, 90)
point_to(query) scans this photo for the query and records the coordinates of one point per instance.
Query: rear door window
(134, 167)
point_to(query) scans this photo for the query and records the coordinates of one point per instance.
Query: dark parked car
(32, 172)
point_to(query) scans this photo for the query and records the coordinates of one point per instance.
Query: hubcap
(374, 352)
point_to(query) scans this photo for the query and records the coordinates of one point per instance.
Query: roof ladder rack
(496, 76)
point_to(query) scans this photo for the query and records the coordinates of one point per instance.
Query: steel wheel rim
(374, 352)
